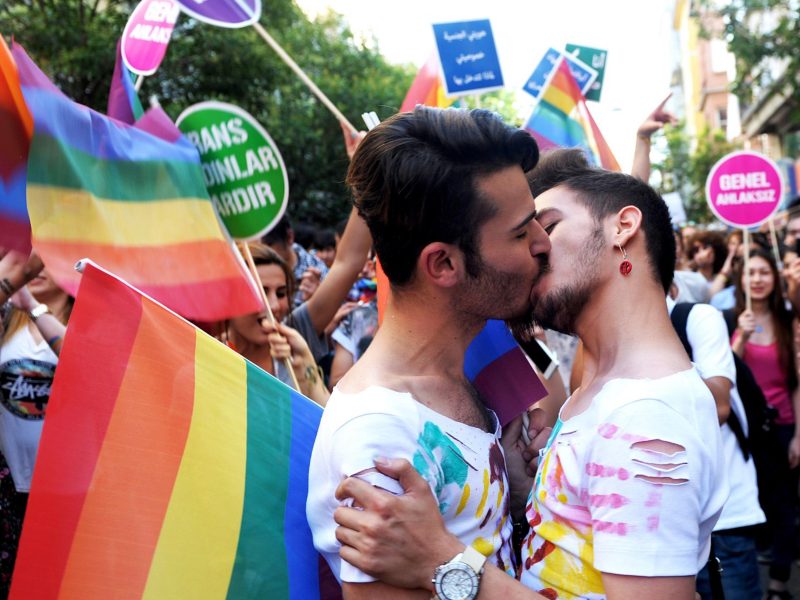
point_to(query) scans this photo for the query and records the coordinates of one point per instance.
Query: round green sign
(242, 167)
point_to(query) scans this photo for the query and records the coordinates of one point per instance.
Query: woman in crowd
(33, 329)
(292, 337)
(764, 338)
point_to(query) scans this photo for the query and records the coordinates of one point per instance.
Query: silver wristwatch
(38, 310)
(459, 578)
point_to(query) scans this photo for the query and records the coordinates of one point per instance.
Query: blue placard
(468, 56)
(584, 74)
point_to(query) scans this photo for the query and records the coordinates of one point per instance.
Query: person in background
(292, 337)
(722, 289)
(325, 246)
(764, 339)
(792, 232)
(34, 325)
(707, 251)
(309, 270)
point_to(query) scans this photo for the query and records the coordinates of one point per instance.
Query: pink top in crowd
(765, 363)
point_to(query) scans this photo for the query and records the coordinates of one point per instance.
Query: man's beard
(494, 294)
(559, 309)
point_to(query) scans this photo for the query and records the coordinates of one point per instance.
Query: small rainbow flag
(427, 88)
(17, 127)
(129, 200)
(169, 466)
(123, 101)
(562, 119)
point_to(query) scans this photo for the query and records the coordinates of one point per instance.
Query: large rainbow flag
(16, 126)
(169, 466)
(427, 88)
(562, 119)
(132, 201)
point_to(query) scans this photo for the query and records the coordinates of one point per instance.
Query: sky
(638, 35)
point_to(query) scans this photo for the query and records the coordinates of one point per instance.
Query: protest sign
(468, 57)
(223, 13)
(147, 33)
(596, 59)
(242, 167)
(744, 189)
(584, 74)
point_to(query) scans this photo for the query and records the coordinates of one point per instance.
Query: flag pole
(773, 236)
(748, 300)
(138, 85)
(303, 77)
(248, 257)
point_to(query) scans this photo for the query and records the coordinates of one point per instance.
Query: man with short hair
(445, 197)
(631, 482)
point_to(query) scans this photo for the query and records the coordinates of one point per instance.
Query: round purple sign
(744, 189)
(223, 13)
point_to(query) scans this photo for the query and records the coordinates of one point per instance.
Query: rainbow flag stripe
(169, 466)
(562, 119)
(17, 127)
(427, 88)
(123, 101)
(132, 201)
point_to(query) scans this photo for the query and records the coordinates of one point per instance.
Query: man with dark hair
(631, 482)
(309, 271)
(444, 195)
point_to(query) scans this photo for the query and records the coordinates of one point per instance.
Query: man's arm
(626, 587)
(721, 390)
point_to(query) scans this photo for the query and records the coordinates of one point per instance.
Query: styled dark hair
(325, 238)
(278, 234)
(414, 176)
(714, 239)
(605, 193)
(781, 318)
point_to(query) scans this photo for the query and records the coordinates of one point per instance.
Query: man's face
(512, 250)
(577, 260)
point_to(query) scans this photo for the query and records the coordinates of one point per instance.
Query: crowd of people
(673, 413)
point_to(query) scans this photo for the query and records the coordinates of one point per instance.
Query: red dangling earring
(625, 267)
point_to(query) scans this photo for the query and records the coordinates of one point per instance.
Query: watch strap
(39, 310)
(473, 559)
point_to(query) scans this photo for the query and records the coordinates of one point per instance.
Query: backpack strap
(679, 318)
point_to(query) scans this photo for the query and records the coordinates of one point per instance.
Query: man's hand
(351, 139)
(16, 270)
(656, 120)
(398, 539)
(522, 459)
(309, 282)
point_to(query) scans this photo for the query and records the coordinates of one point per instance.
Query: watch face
(457, 581)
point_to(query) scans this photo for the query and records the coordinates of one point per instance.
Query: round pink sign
(147, 33)
(744, 189)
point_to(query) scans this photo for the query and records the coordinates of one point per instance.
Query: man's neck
(628, 335)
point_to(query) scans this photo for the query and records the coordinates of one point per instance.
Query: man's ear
(441, 264)
(628, 223)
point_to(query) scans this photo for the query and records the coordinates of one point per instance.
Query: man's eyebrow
(544, 212)
(526, 220)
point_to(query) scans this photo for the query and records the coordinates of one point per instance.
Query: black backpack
(761, 442)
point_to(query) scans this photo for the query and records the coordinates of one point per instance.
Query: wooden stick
(303, 77)
(138, 85)
(746, 278)
(248, 257)
(773, 235)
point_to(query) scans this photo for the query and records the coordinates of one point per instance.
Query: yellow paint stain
(485, 494)
(483, 546)
(500, 495)
(562, 498)
(464, 499)
(573, 575)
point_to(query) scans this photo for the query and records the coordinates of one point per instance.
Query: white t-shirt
(591, 510)
(712, 355)
(464, 466)
(26, 374)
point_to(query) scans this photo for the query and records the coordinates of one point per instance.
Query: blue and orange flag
(17, 127)
(130, 197)
(562, 119)
(169, 466)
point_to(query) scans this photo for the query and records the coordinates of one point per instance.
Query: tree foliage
(761, 33)
(74, 42)
(685, 170)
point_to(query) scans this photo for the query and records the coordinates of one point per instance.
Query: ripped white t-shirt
(631, 486)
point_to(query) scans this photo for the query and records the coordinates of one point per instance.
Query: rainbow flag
(123, 101)
(169, 466)
(427, 88)
(500, 371)
(132, 201)
(562, 119)
(17, 127)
